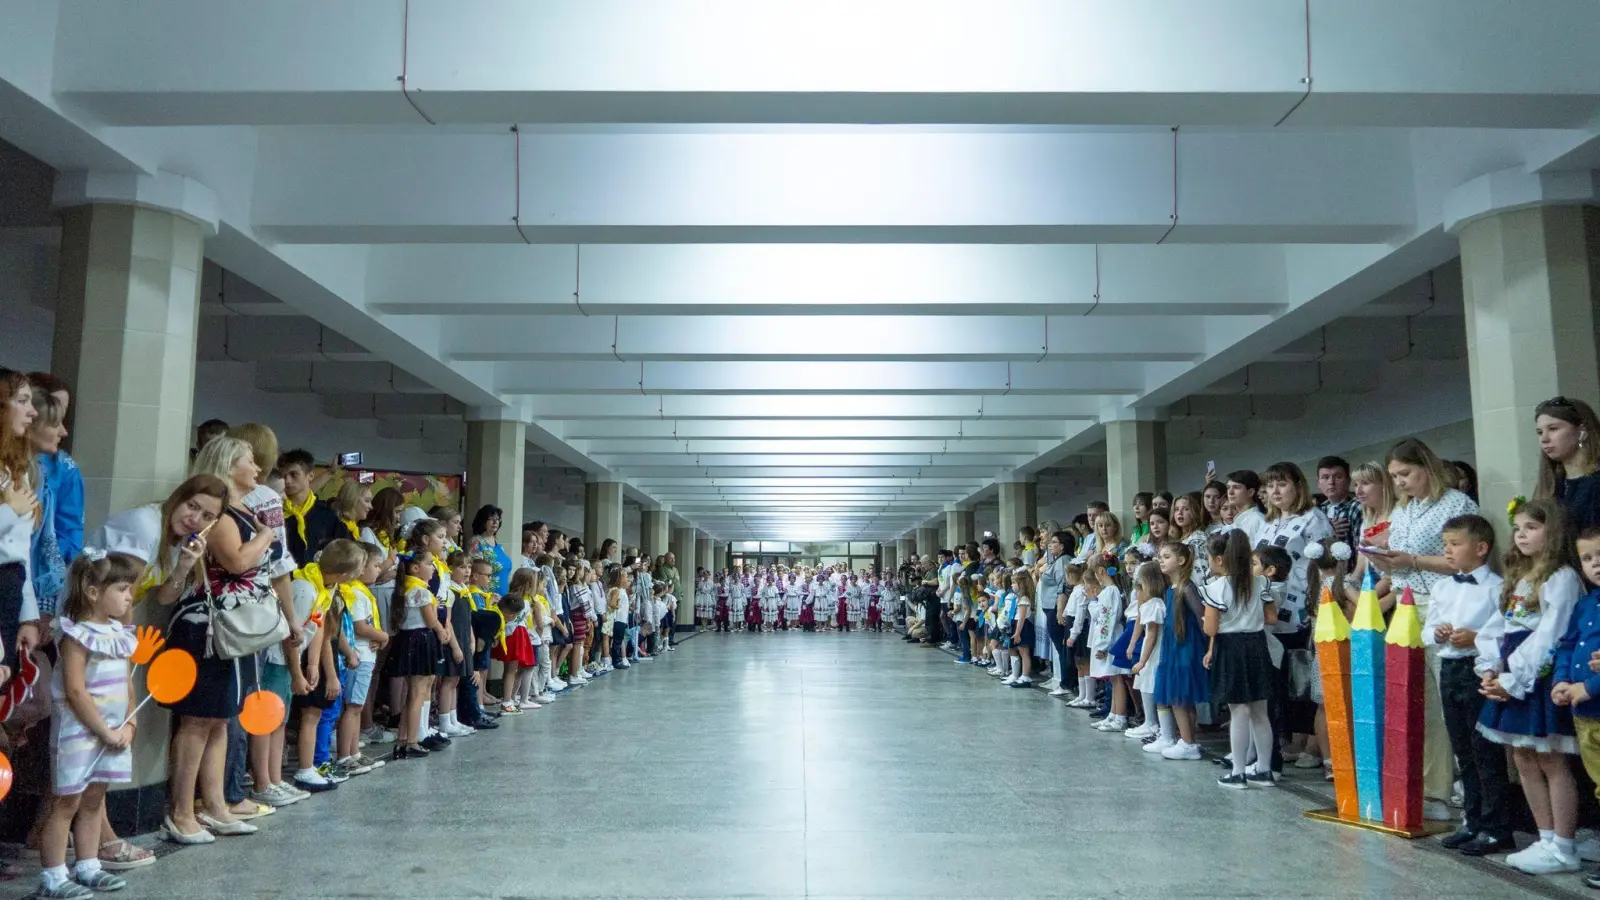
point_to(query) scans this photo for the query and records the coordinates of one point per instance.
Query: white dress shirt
(1463, 605)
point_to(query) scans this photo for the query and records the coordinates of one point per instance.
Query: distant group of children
(831, 598)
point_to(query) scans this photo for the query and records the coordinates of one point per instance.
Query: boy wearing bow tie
(1461, 606)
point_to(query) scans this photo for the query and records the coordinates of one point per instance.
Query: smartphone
(1373, 550)
(350, 460)
(365, 478)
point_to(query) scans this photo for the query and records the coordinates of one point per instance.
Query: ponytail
(1233, 548)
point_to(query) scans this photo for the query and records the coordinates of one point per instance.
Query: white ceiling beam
(809, 429)
(981, 465)
(1149, 61)
(1081, 187)
(825, 279)
(879, 407)
(837, 338)
(805, 470)
(609, 376)
(819, 447)
(818, 481)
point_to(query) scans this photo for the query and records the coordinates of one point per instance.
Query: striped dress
(106, 676)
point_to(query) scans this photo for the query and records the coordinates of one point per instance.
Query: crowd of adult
(370, 621)
(1200, 611)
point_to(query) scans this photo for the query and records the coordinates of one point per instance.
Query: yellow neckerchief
(299, 515)
(353, 528)
(477, 598)
(351, 590)
(412, 582)
(151, 580)
(539, 599)
(384, 540)
(311, 574)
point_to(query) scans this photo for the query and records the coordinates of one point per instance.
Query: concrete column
(496, 462)
(1531, 283)
(703, 556)
(719, 555)
(655, 531)
(1136, 460)
(131, 252)
(1019, 506)
(905, 548)
(125, 330)
(602, 513)
(887, 560)
(927, 541)
(683, 548)
(958, 525)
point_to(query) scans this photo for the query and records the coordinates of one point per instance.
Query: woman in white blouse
(1425, 500)
(1293, 521)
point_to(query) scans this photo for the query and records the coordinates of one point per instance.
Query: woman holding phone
(1415, 559)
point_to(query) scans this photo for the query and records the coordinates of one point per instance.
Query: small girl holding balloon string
(89, 690)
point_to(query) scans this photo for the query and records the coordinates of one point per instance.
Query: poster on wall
(420, 489)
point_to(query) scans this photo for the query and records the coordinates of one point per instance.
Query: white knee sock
(1239, 735)
(1150, 717)
(1089, 685)
(422, 722)
(1169, 724)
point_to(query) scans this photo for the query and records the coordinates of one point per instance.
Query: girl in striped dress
(89, 691)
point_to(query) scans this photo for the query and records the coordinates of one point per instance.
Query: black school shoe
(434, 742)
(1233, 782)
(485, 724)
(1486, 844)
(403, 752)
(1457, 839)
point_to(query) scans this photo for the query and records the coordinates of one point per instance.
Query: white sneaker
(452, 729)
(556, 684)
(998, 673)
(1542, 858)
(528, 704)
(1159, 745)
(1308, 760)
(1050, 684)
(1009, 679)
(288, 788)
(1181, 750)
(1059, 691)
(1140, 733)
(545, 697)
(1021, 681)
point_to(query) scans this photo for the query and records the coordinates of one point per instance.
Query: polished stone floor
(810, 766)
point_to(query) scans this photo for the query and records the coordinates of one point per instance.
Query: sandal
(125, 856)
(256, 811)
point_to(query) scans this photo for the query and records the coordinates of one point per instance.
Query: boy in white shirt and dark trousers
(1461, 606)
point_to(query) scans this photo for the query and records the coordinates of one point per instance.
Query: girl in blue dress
(1182, 682)
(1515, 657)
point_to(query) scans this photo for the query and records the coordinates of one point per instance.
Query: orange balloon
(262, 713)
(171, 676)
(5, 776)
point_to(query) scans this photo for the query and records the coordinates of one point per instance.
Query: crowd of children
(767, 599)
(1202, 621)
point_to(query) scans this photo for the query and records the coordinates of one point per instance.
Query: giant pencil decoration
(1402, 757)
(1366, 698)
(1333, 658)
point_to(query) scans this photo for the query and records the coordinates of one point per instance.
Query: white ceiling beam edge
(842, 338)
(1105, 187)
(1148, 61)
(875, 377)
(802, 429)
(826, 279)
(871, 406)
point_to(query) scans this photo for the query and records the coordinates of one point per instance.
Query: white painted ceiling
(804, 270)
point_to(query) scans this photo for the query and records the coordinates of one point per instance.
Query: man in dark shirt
(309, 523)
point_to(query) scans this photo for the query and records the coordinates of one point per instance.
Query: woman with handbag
(233, 575)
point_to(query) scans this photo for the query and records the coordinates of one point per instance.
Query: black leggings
(619, 634)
